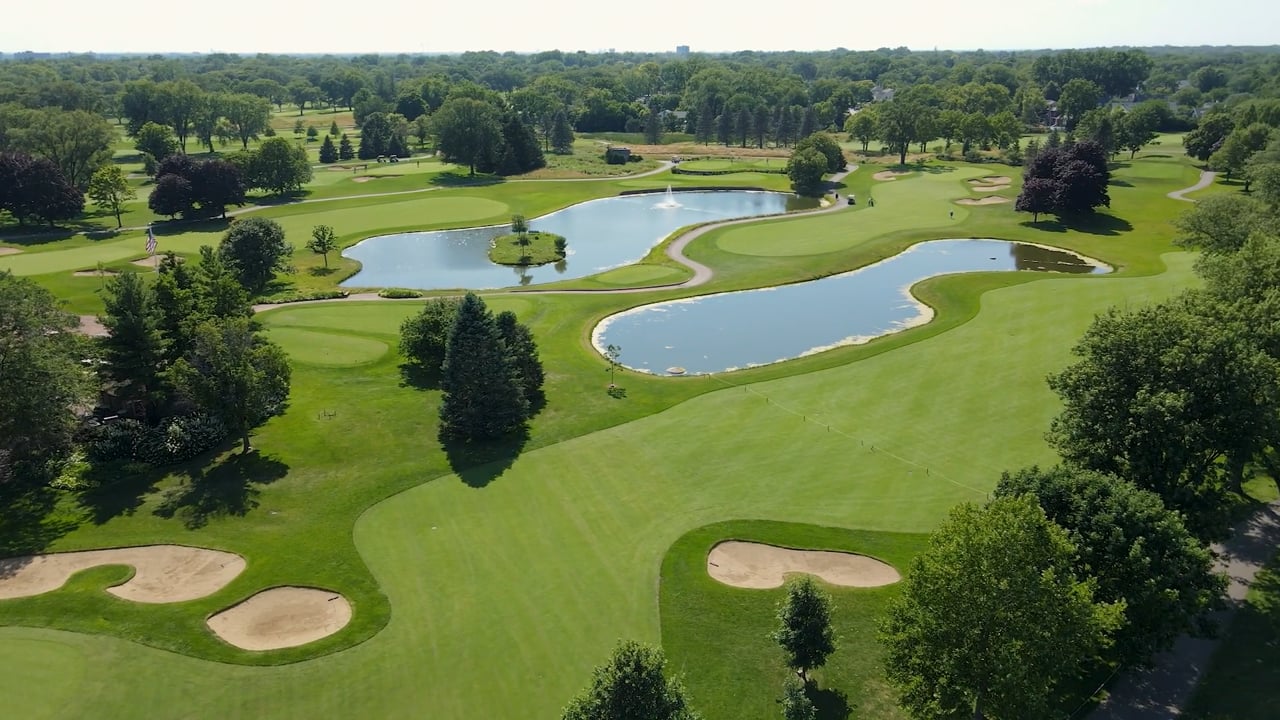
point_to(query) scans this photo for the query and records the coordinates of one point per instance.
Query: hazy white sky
(392, 26)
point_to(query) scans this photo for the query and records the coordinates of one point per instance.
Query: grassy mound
(541, 248)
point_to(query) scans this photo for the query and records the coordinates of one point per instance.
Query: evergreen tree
(328, 153)
(782, 127)
(724, 128)
(524, 353)
(482, 398)
(808, 122)
(760, 124)
(742, 124)
(177, 305)
(134, 348)
(521, 152)
(333, 129)
(652, 125)
(705, 128)
(345, 151)
(561, 134)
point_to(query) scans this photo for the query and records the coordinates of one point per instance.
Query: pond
(601, 234)
(729, 331)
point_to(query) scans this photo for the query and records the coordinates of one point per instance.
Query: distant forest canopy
(617, 92)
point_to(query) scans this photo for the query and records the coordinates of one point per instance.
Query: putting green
(916, 202)
(639, 275)
(326, 348)
(41, 675)
(77, 258)
(378, 317)
(739, 165)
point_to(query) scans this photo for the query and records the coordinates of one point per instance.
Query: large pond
(601, 234)
(728, 331)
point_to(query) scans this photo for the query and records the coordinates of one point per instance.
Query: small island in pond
(529, 248)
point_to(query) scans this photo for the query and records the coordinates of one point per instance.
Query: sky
(433, 26)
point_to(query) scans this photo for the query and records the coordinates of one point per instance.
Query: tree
(156, 140)
(652, 125)
(33, 187)
(171, 196)
(796, 705)
(41, 381)
(1171, 400)
(424, 338)
(468, 132)
(482, 398)
(896, 121)
(520, 151)
(233, 373)
(134, 349)
(215, 184)
(301, 92)
(1208, 136)
(523, 351)
(1078, 97)
(345, 151)
(179, 102)
(1139, 553)
(825, 144)
(1220, 224)
(254, 248)
(561, 134)
(323, 241)
(278, 166)
(861, 126)
(806, 169)
(1238, 147)
(1138, 129)
(177, 306)
(76, 142)
(612, 353)
(328, 153)
(109, 189)
(804, 631)
(218, 291)
(1037, 197)
(991, 617)
(333, 129)
(249, 115)
(631, 686)
(705, 127)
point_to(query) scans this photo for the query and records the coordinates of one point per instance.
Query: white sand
(9, 251)
(887, 175)
(162, 573)
(282, 617)
(94, 273)
(989, 200)
(756, 565)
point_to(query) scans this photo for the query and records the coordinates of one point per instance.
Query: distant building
(615, 155)
(682, 50)
(881, 94)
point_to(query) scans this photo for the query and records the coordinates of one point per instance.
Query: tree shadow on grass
(480, 463)
(117, 489)
(1092, 224)
(457, 179)
(830, 704)
(29, 521)
(418, 377)
(230, 487)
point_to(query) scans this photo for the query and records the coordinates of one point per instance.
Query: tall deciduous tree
(235, 374)
(804, 626)
(134, 349)
(631, 686)
(278, 166)
(255, 250)
(76, 142)
(468, 132)
(1220, 224)
(109, 189)
(33, 187)
(806, 169)
(482, 387)
(1139, 553)
(250, 115)
(1171, 400)
(41, 380)
(1078, 97)
(897, 125)
(991, 617)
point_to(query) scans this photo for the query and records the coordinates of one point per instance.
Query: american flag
(151, 241)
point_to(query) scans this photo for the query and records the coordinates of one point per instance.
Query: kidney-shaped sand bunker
(162, 573)
(760, 566)
(282, 617)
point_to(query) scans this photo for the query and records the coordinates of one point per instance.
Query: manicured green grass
(491, 592)
(640, 275)
(716, 635)
(1245, 671)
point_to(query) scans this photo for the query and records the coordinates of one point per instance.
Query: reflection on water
(728, 331)
(601, 234)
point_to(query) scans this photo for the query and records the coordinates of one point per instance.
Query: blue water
(716, 333)
(601, 234)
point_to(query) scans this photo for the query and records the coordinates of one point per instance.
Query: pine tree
(760, 125)
(333, 129)
(724, 128)
(808, 122)
(345, 151)
(328, 153)
(482, 387)
(743, 125)
(782, 127)
(134, 349)
(561, 134)
(653, 125)
(524, 353)
(706, 123)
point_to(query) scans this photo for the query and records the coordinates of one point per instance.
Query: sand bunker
(367, 178)
(9, 251)
(94, 273)
(162, 573)
(282, 617)
(992, 180)
(756, 565)
(887, 175)
(989, 200)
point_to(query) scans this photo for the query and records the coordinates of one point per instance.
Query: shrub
(399, 293)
